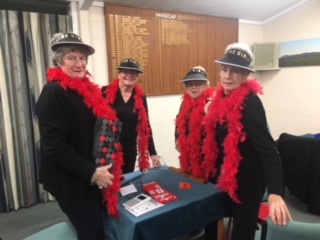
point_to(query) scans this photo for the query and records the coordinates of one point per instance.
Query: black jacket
(66, 127)
(261, 164)
(129, 119)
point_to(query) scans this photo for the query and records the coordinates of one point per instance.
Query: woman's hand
(177, 146)
(102, 177)
(206, 107)
(156, 163)
(209, 101)
(278, 210)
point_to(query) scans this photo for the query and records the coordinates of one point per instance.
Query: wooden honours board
(166, 44)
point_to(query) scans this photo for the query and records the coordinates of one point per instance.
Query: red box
(158, 193)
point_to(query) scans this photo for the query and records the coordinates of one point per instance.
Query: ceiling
(42, 6)
(256, 11)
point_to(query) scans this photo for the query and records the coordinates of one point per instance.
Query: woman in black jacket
(240, 155)
(67, 110)
(189, 133)
(127, 98)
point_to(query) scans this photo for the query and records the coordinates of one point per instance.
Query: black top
(66, 127)
(129, 119)
(261, 163)
(176, 134)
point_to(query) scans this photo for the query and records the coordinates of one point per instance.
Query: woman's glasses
(129, 71)
(195, 84)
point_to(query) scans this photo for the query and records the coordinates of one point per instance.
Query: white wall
(98, 40)
(162, 112)
(291, 95)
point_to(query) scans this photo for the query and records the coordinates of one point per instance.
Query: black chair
(301, 168)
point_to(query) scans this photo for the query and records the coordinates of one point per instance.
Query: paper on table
(128, 189)
(146, 207)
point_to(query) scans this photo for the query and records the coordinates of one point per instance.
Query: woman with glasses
(189, 132)
(130, 103)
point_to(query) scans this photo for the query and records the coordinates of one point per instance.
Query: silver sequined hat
(70, 39)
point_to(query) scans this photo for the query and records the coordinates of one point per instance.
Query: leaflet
(144, 208)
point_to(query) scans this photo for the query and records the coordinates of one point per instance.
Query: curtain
(24, 58)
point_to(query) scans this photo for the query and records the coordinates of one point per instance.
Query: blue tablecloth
(196, 207)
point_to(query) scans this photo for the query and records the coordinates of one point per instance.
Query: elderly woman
(67, 109)
(240, 155)
(188, 133)
(130, 103)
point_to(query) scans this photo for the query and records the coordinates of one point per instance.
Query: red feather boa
(143, 128)
(92, 97)
(191, 133)
(227, 110)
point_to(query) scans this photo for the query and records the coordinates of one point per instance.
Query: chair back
(294, 230)
(296, 157)
(301, 168)
(59, 231)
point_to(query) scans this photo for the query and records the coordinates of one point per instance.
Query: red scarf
(191, 133)
(143, 129)
(92, 97)
(227, 110)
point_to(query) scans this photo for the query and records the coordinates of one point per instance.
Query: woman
(130, 103)
(240, 154)
(189, 134)
(67, 109)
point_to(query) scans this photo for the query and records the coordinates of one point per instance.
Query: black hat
(238, 55)
(70, 39)
(196, 73)
(131, 64)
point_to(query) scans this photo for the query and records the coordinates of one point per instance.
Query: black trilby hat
(70, 39)
(238, 57)
(195, 73)
(130, 64)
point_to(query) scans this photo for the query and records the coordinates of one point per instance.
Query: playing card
(185, 185)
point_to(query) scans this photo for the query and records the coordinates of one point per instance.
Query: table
(196, 207)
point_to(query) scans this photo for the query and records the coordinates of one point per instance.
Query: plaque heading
(180, 17)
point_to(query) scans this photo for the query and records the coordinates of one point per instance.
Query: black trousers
(245, 217)
(87, 220)
(129, 151)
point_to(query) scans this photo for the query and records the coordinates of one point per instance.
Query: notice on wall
(127, 38)
(166, 44)
(174, 32)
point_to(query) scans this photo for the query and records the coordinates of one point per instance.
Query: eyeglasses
(129, 71)
(191, 84)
